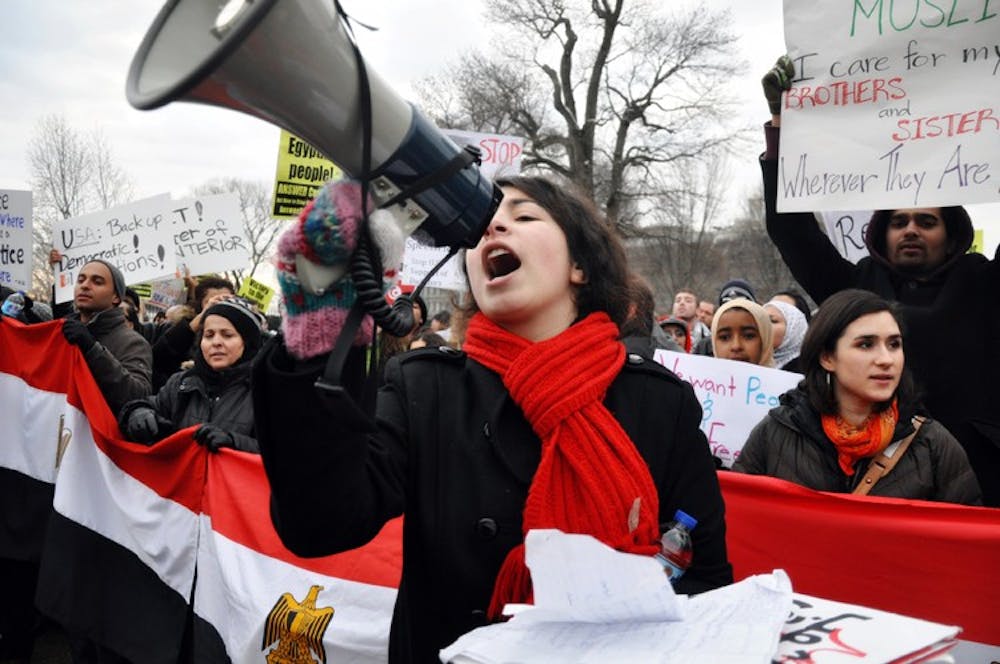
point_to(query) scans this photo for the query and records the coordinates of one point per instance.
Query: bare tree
(679, 249)
(260, 228)
(751, 255)
(605, 92)
(72, 173)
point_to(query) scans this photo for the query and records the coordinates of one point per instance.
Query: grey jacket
(789, 444)
(121, 360)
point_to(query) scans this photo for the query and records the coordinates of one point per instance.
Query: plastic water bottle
(675, 545)
(13, 305)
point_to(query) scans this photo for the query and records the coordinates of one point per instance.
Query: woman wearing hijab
(741, 331)
(788, 326)
(214, 393)
(856, 403)
(542, 420)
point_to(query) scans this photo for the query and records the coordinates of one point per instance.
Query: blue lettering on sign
(755, 395)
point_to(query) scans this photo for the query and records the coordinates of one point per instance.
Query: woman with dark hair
(856, 408)
(214, 393)
(542, 420)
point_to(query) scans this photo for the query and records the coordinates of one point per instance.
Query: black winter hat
(244, 317)
(117, 278)
(735, 288)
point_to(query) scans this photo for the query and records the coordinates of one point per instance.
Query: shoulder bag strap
(884, 463)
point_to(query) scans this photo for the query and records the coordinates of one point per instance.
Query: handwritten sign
(893, 105)
(165, 293)
(208, 234)
(821, 630)
(135, 238)
(258, 293)
(734, 396)
(501, 155)
(846, 230)
(301, 171)
(15, 239)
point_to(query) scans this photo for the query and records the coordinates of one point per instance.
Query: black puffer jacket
(952, 324)
(188, 399)
(789, 443)
(452, 450)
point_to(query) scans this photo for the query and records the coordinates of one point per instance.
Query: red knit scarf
(590, 476)
(858, 442)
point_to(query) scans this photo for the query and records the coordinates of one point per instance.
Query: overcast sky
(71, 58)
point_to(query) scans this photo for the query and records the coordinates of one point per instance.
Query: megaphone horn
(292, 64)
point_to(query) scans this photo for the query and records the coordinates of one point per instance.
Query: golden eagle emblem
(298, 629)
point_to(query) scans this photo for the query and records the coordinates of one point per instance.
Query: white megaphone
(292, 64)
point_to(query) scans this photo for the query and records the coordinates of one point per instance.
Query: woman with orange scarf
(857, 402)
(542, 420)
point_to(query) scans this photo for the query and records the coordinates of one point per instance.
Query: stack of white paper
(594, 604)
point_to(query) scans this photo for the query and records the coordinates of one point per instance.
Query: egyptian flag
(254, 597)
(153, 549)
(33, 387)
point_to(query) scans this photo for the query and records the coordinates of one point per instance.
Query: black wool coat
(452, 450)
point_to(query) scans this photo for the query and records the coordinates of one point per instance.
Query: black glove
(77, 334)
(213, 437)
(142, 426)
(776, 81)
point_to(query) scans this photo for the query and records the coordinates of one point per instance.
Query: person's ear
(826, 361)
(577, 276)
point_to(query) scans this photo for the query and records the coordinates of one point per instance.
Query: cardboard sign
(893, 105)
(135, 238)
(258, 293)
(208, 234)
(734, 396)
(301, 171)
(15, 239)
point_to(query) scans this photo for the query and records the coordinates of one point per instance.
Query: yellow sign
(302, 170)
(258, 293)
(144, 291)
(977, 241)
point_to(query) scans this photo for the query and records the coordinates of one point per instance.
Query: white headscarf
(795, 331)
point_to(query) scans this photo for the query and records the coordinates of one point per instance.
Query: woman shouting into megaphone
(542, 420)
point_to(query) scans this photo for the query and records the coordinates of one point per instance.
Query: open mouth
(501, 262)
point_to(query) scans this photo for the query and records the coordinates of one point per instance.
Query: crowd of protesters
(548, 410)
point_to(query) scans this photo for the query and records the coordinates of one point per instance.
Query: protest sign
(846, 230)
(208, 234)
(734, 396)
(301, 171)
(165, 293)
(258, 293)
(500, 155)
(893, 105)
(15, 239)
(135, 238)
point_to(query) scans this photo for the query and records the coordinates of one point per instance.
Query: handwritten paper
(892, 105)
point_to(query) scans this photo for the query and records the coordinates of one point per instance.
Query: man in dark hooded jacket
(919, 258)
(120, 359)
